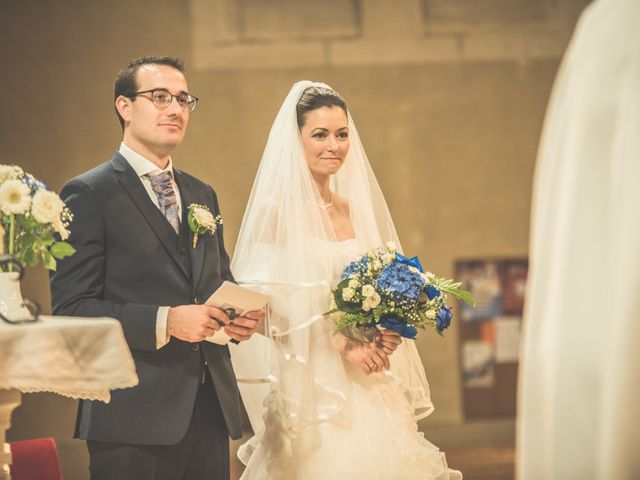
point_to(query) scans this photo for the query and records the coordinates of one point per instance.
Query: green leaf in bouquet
(346, 306)
(453, 288)
(380, 310)
(28, 257)
(341, 303)
(341, 324)
(347, 320)
(48, 261)
(467, 298)
(47, 240)
(28, 239)
(62, 249)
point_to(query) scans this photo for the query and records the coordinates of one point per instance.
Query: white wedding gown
(366, 430)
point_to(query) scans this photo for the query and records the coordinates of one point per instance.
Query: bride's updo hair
(317, 97)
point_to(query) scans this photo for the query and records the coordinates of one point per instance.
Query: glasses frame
(188, 107)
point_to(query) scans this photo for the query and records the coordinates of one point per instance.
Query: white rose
(14, 197)
(368, 290)
(388, 258)
(377, 265)
(374, 300)
(353, 283)
(46, 207)
(204, 217)
(347, 294)
(366, 304)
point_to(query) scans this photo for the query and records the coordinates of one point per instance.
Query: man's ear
(124, 106)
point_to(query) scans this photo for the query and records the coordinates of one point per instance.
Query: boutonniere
(201, 221)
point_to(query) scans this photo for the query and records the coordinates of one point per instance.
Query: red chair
(35, 459)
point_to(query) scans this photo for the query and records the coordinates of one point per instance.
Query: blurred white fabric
(580, 374)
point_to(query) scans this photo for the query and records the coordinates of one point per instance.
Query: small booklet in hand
(240, 299)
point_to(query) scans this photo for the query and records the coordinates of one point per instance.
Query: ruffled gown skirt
(374, 436)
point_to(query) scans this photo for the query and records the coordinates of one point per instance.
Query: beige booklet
(240, 299)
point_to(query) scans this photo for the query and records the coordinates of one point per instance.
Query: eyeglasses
(161, 98)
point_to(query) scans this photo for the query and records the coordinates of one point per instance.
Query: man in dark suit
(135, 261)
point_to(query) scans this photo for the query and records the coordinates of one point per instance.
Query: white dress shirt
(144, 167)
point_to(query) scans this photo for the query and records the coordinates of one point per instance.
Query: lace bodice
(342, 254)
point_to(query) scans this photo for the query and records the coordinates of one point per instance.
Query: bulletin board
(490, 334)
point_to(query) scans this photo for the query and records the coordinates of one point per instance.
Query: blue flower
(443, 318)
(33, 183)
(397, 278)
(356, 268)
(432, 292)
(393, 323)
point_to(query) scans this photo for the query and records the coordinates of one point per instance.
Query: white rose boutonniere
(201, 221)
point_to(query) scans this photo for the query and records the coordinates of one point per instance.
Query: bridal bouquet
(30, 218)
(388, 289)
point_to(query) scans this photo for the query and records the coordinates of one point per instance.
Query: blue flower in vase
(34, 184)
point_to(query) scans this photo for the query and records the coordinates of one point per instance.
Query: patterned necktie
(166, 195)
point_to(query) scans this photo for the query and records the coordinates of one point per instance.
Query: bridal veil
(280, 248)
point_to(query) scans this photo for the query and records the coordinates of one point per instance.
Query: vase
(11, 303)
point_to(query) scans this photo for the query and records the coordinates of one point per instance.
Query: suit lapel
(158, 223)
(197, 255)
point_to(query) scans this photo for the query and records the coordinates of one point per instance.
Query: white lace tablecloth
(72, 356)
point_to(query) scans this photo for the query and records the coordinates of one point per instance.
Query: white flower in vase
(15, 197)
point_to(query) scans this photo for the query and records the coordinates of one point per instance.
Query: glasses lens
(183, 100)
(192, 104)
(161, 98)
(187, 102)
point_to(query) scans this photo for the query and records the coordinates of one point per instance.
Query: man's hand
(388, 340)
(241, 328)
(194, 323)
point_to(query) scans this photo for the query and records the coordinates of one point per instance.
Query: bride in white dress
(323, 405)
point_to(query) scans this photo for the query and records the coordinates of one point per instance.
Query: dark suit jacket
(128, 262)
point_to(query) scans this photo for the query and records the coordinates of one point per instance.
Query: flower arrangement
(388, 289)
(31, 216)
(201, 221)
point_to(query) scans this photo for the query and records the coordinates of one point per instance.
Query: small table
(75, 357)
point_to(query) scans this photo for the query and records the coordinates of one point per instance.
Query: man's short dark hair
(125, 83)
